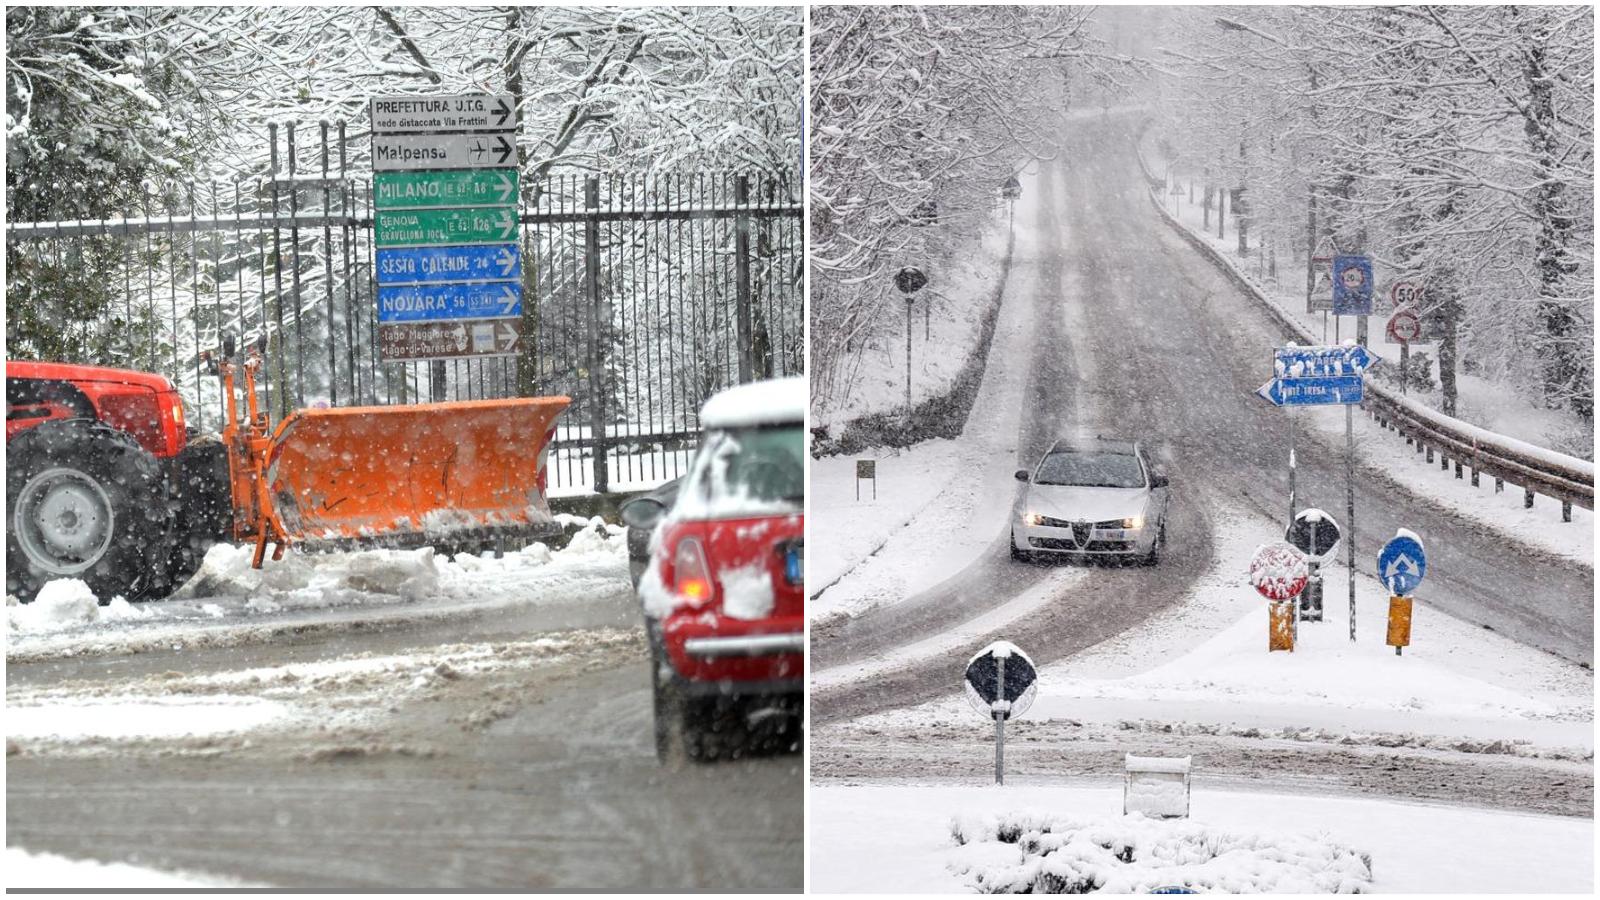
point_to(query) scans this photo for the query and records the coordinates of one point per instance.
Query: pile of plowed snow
(1033, 853)
(227, 589)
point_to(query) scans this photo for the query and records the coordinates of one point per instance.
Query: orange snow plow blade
(412, 475)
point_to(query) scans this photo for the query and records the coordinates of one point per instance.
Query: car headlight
(1133, 523)
(1033, 518)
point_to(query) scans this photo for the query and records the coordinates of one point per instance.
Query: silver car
(1093, 498)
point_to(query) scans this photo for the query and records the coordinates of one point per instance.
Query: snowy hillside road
(508, 746)
(1138, 336)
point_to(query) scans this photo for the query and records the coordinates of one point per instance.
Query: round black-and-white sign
(910, 280)
(1001, 679)
(1314, 533)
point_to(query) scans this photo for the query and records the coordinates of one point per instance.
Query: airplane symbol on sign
(478, 150)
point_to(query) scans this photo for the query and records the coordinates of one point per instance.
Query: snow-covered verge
(25, 869)
(1202, 666)
(1017, 853)
(946, 326)
(900, 838)
(229, 602)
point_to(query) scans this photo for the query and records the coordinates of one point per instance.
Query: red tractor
(105, 483)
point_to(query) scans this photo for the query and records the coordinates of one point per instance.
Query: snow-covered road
(379, 719)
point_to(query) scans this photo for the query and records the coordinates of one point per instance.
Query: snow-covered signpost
(1321, 376)
(1401, 565)
(1315, 534)
(1278, 572)
(1001, 683)
(909, 280)
(1011, 190)
(449, 266)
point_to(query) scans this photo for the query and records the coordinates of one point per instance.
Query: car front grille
(1068, 546)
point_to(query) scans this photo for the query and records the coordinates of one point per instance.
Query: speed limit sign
(1406, 293)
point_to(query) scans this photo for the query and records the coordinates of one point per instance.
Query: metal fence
(643, 295)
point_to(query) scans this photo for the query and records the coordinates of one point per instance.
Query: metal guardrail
(1534, 469)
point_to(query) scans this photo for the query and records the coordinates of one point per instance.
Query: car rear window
(1091, 468)
(748, 471)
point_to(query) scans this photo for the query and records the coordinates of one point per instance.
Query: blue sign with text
(431, 303)
(1332, 389)
(437, 265)
(1306, 362)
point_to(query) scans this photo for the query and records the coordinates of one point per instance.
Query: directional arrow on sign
(502, 109)
(506, 336)
(508, 225)
(1305, 362)
(509, 298)
(507, 261)
(1403, 566)
(506, 186)
(503, 147)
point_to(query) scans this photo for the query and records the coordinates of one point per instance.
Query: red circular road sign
(1405, 326)
(1278, 571)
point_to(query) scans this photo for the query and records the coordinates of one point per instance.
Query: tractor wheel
(85, 501)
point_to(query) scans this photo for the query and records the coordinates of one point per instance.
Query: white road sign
(397, 152)
(462, 112)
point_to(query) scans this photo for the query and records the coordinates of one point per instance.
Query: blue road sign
(1352, 286)
(1331, 389)
(431, 303)
(436, 265)
(1306, 362)
(1401, 564)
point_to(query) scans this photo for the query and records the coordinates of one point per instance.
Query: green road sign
(432, 227)
(423, 190)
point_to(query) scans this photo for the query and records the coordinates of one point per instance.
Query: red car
(724, 593)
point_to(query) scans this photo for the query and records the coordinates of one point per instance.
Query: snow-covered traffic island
(1338, 767)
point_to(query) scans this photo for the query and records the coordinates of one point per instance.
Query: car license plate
(794, 564)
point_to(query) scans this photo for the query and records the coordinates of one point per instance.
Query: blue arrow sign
(435, 265)
(1305, 362)
(429, 303)
(1401, 564)
(1352, 286)
(1334, 389)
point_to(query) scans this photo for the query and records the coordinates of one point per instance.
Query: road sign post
(1001, 682)
(868, 469)
(1402, 563)
(1316, 535)
(1317, 376)
(1404, 327)
(1278, 572)
(445, 224)
(909, 280)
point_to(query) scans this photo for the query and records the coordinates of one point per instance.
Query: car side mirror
(643, 513)
(1157, 481)
(1022, 474)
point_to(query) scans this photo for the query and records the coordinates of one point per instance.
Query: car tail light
(691, 576)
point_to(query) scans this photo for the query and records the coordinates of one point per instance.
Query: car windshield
(1091, 468)
(750, 471)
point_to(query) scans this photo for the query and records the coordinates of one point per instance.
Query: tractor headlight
(1133, 523)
